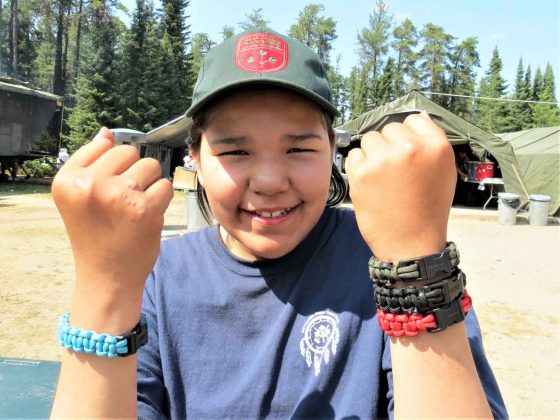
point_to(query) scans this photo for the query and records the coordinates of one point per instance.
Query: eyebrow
(241, 140)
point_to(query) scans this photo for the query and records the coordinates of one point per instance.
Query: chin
(269, 251)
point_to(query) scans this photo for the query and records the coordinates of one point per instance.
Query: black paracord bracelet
(412, 300)
(428, 267)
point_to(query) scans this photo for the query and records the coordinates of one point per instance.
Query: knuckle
(128, 150)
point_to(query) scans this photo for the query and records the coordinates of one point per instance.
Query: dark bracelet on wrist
(429, 267)
(412, 300)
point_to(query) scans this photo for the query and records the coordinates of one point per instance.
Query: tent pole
(520, 181)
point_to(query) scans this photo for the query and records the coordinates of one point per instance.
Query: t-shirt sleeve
(483, 368)
(151, 392)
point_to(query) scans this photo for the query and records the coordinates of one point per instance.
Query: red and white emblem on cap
(261, 53)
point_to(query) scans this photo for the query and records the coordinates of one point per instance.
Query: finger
(142, 174)
(353, 160)
(399, 135)
(373, 143)
(117, 160)
(89, 153)
(422, 125)
(159, 194)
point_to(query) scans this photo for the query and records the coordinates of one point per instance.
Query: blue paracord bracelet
(81, 341)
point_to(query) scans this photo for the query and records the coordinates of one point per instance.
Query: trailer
(25, 114)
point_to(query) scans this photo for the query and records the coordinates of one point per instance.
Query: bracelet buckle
(430, 266)
(448, 315)
(135, 338)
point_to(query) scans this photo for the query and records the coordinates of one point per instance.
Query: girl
(271, 312)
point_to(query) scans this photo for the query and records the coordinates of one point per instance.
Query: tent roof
(458, 131)
(535, 140)
(17, 86)
(171, 134)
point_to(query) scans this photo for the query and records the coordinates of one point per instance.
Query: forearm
(434, 376)
(92, 386)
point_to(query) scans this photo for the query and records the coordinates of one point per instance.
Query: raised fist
(112, 203)
(402, 182)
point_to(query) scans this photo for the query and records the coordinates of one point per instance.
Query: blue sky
(530, 29)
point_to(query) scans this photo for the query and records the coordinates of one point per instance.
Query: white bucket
(538, 209)
(507, 208)
(195, 219)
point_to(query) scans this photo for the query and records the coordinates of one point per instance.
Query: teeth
(269, 215)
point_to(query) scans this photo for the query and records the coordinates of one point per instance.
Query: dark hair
(337, 188)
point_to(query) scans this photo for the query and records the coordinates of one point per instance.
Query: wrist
(112, 311)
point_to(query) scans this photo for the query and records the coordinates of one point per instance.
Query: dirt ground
(512, 275)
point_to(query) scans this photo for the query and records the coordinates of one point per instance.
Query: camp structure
(25, 114)
(538, 155)
(458, 131)
(168, 143)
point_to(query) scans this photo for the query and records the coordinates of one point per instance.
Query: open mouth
(272, 215)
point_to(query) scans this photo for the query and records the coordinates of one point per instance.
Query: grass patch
(19, 187)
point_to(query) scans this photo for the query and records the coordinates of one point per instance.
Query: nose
(269, 177)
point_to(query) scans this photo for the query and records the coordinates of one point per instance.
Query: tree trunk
(76, 64)
(58, 83)
(14, 45)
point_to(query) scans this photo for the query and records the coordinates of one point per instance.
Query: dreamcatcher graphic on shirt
(320, 339)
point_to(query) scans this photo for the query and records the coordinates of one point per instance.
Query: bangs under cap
(262, 56)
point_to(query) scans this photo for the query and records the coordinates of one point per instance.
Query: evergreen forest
(140, 75)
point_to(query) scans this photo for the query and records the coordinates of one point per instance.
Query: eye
(234, 153)
(299, 150)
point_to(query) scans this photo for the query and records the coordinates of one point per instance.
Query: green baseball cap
(262, 56)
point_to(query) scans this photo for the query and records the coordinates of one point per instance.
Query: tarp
(458, 130)
(538, 154)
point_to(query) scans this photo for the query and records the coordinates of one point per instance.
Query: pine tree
(318, 32)
(227, 32)
(374, 41)
(519, 113)
(538, 85)
(546, 115)
(435, 59)
(387, 90)
(201, 44)
(338, 85)
(492, 115)
(176, 89)
(406, 73)
(141, 70)
(464, 60)
(357, 88)
(97, 100)
(253, 20)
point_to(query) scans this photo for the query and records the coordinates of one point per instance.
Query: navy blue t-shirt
(294, 337)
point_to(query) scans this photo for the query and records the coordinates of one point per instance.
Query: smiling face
(265, 160)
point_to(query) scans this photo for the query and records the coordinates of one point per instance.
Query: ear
(198, 171)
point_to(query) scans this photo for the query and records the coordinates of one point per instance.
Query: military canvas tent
(538, 154)
(458, 130)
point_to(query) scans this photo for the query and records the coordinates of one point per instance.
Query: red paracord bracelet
(410, 325)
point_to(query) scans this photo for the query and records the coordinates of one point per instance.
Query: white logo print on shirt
(320, 337)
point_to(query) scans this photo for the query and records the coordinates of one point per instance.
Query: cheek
(223, 186)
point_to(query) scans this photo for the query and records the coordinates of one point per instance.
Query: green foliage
(227, 32)
(493, 115)
(544, 114)
(97, 99)
(36, 168)
(318, 32)
(461, 78)
(200, 45)
(405, 40)
(255, 19)
(435, 55)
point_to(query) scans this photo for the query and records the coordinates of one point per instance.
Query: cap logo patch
(261, 53)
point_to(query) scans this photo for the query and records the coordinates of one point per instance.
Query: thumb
(353, 161)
